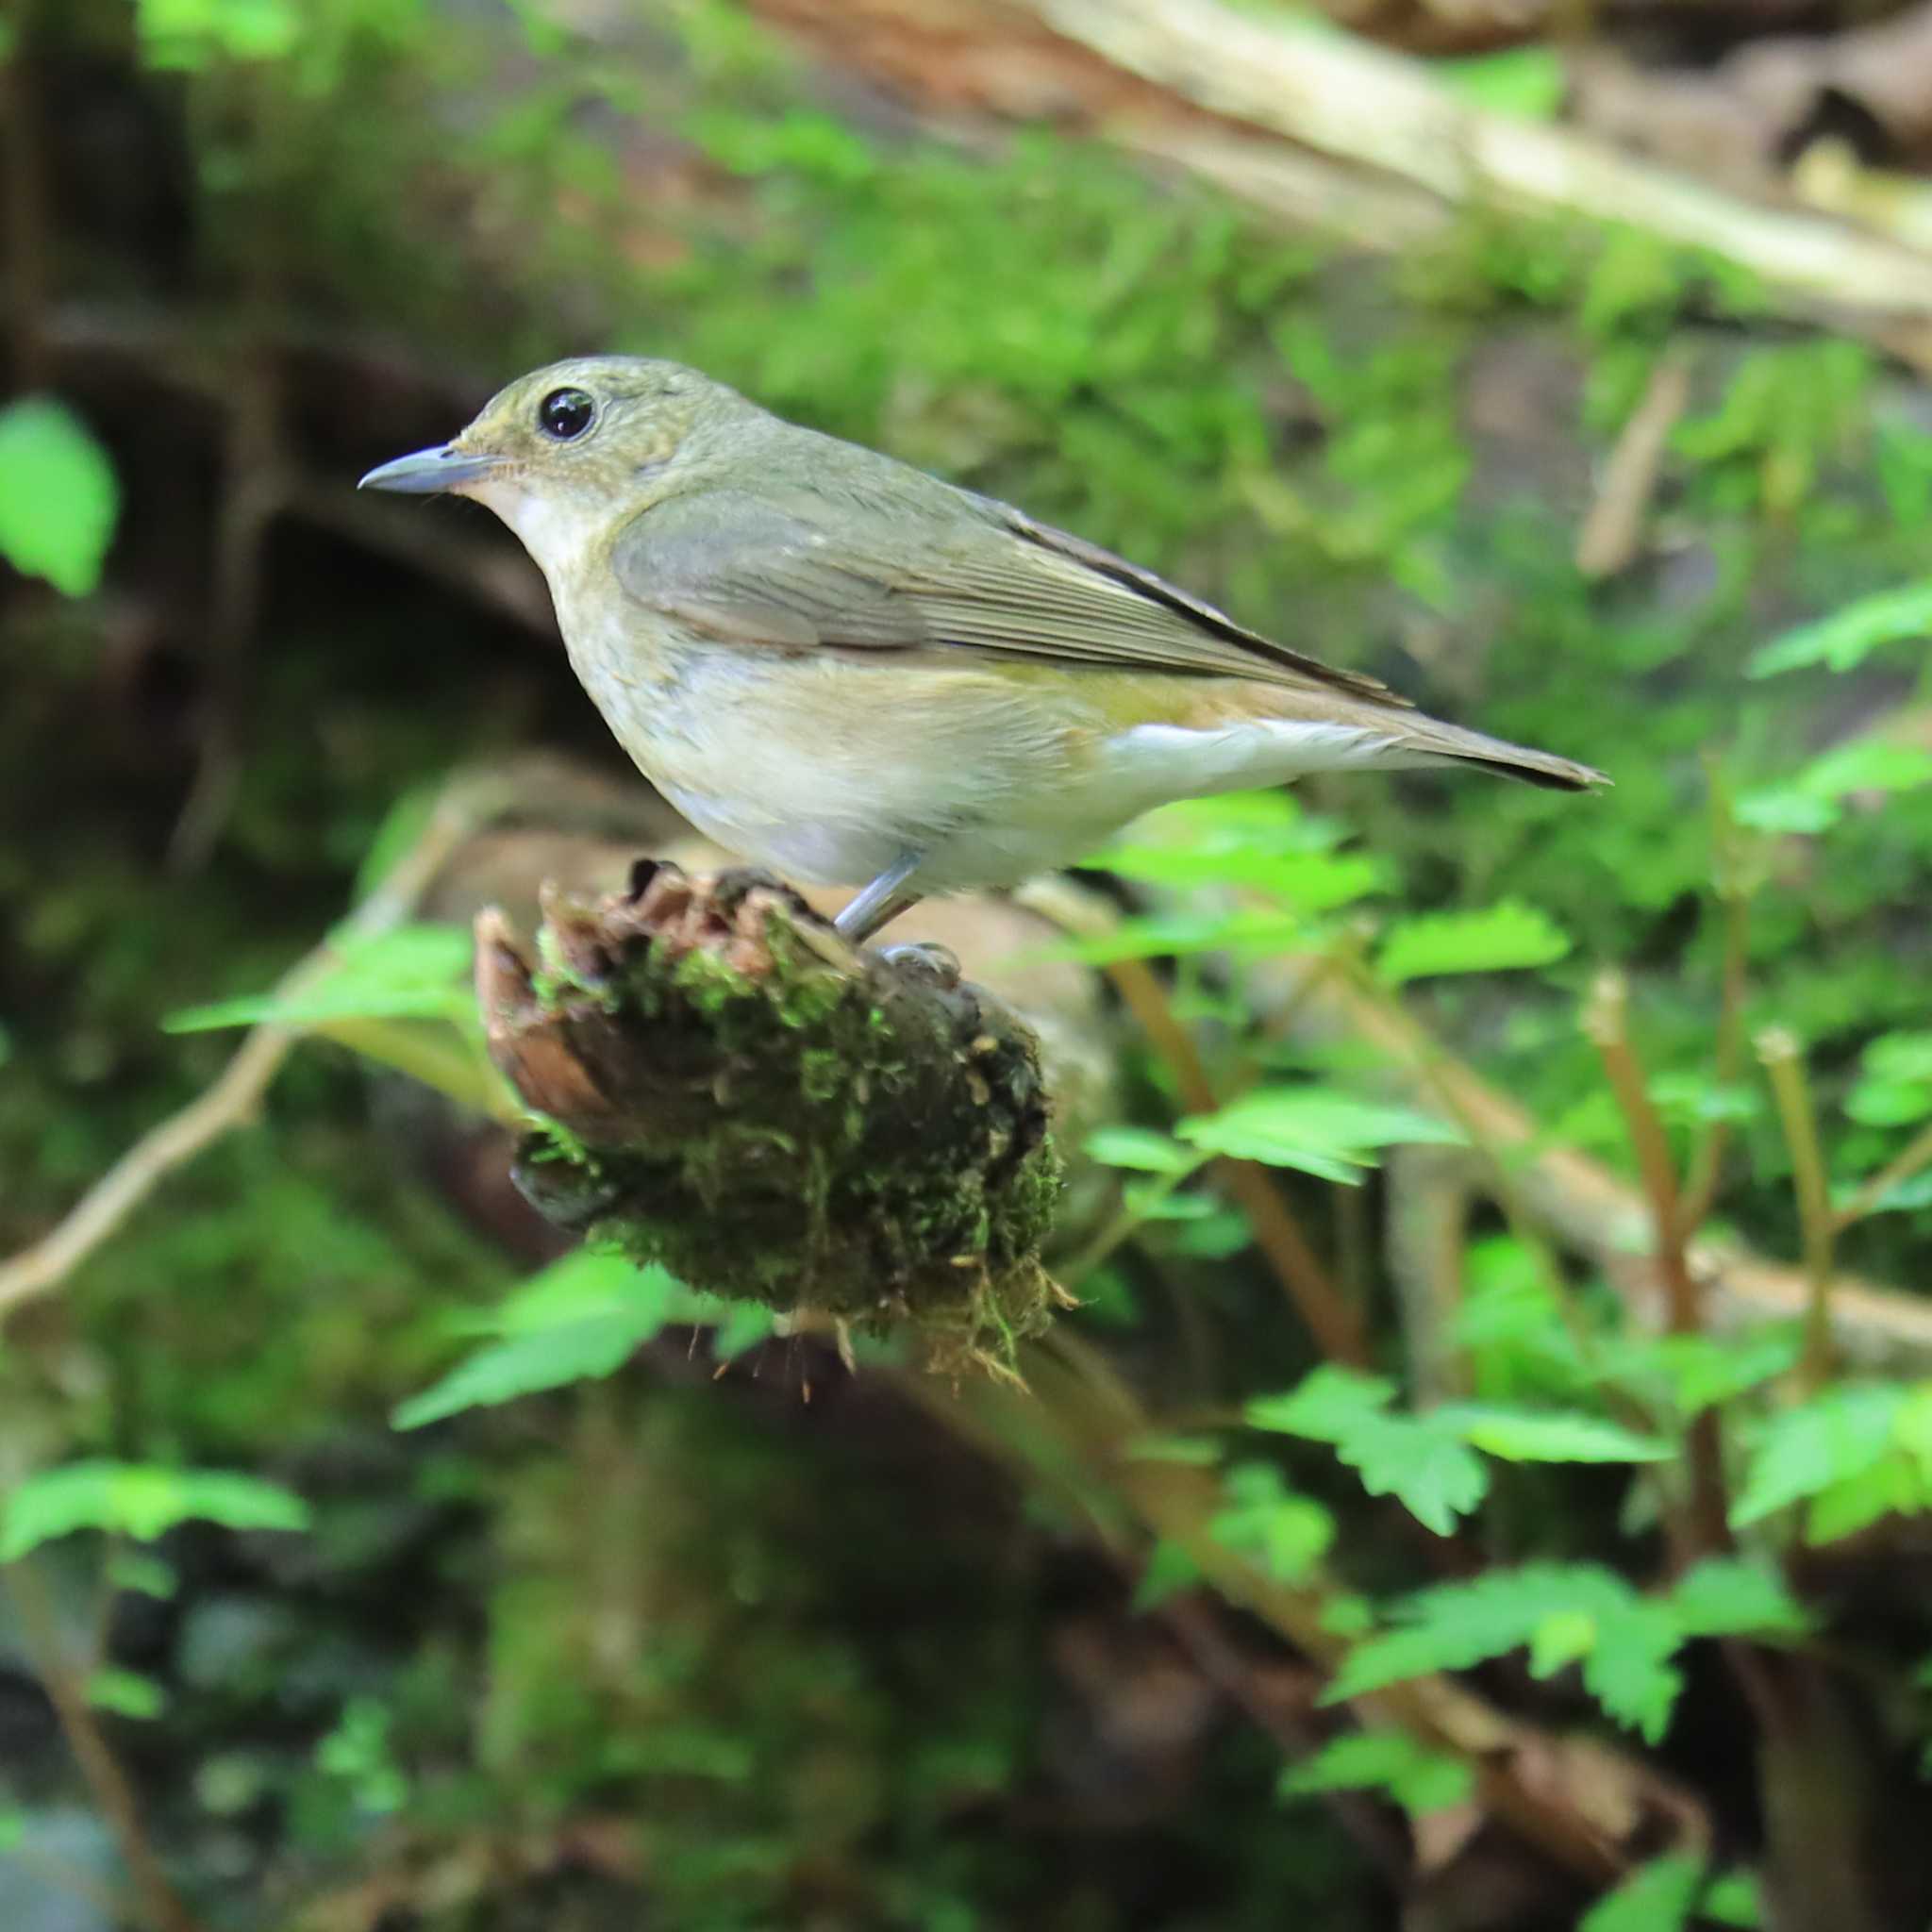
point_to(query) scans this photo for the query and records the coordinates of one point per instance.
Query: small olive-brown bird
(855, 674)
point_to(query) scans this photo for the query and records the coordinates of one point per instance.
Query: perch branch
(728, 1086)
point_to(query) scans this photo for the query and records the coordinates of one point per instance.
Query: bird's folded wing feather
(749, 569)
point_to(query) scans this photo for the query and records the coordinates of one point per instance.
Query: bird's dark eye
(565, 413)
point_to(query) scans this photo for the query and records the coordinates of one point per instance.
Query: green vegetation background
(802, 1662)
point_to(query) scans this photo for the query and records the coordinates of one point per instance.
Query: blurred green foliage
(663, 1606)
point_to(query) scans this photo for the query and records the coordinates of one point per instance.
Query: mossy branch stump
(722, 1084)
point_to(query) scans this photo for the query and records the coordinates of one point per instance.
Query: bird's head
(563, 452)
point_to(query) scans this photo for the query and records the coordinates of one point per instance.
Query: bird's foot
(922, 959)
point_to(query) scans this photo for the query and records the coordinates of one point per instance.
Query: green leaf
(1428, 1461)
(1628, 1671)
(1562, 1638)
(1899, 1055)
(1419, 1779)
(1284, 1534)
(1261, 840)
(736, 1326)
(1167, 1571)
(1699, 1371)
(1421, 1462)
(1891, 1486)
(1141, 1149)
(582, 1318)
(1457, 1626)
(1786, 810)
(1527, 83)
(126, 1693)
(1324, 1406)
(584, 1282)
(1503, 937)
(1418, 1459)
(1844, 640)
(138, 1571)
(1894, 1087)
(1524, 1435)
(1153, 1200)
(1694, 1099)
(1311, 882)
(1314, 1129)
(1733, 1900)
(399, 833)
(1840, 1434)
(799, 140)
(1656, 1897)
(138, 1499)
(358, 1752)
(408, 972)
(526, 1364)
(1729, 1596)
(1866, 764)
(192, 34)
(59, 498)
(1889, 1103)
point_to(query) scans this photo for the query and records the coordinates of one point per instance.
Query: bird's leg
(880, 902)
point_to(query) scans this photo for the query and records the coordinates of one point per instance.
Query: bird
(854, 672)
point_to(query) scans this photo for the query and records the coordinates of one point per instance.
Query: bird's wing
(795, 572)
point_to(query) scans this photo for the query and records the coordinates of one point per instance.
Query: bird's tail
(1433, 739)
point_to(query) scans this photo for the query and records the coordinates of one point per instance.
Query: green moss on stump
(734, 1091)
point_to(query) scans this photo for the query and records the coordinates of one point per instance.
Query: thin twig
(1915, 1155)
(1336, 1325)
(1785, 1065)
(1125, 1222)
(1434, 1066)
(1430, 1191)
(1606, 1021)
(160, 1905)
(1708, 1159)
(1612, 533)
(1583, 1205)
(175, 1141)
(1200, 1633)
(466, 805)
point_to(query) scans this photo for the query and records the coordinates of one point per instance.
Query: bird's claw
(922, 959)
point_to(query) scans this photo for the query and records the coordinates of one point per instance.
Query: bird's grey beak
(426, 471)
